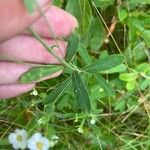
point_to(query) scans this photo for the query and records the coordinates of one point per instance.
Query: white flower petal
(36, 136)
(15, 146)
(12, 138)
(17, 131)
(24, 133)
(45, 140)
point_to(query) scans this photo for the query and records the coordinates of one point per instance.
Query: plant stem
(50, 49)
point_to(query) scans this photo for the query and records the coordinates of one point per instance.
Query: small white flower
(93, 121)
(34, 92)
(18, 139)
(38, 142)
(80, 130)
(42, 121)
(52, 143)
(55, 137)
(54, 140)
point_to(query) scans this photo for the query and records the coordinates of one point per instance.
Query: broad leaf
(57, 92)
(37, 73)
(117, 69)
(128, 76)
(131, 85)
(73, 43)
(105, 63)
(122, 14)
(81, 93)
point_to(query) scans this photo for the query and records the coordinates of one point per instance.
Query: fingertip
(13, 90)
(58, 24)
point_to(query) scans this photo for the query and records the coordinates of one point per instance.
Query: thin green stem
(50, 49)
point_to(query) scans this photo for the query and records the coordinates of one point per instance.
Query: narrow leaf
(73, 43)
(105, 63)
(84, 54)
(39, 72)
(105, 85)
(57, 92)
(81, 93)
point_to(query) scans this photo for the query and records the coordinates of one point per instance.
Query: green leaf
(116, 69)
(120, 105)
(105, 63)
(122, 14)
(84, 54)
(29, 5)
(57, 92)
(73, 43)
(128, 76)
(139, 27)
(144, 67)
(81, 93)
(105, 85)
(103, 4)
(145, 84)
(133, 4)
(81, 9)
(98, 34)
(131, 85)
(58, 3)
(39, 72)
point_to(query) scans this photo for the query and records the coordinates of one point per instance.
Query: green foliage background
(104, 88)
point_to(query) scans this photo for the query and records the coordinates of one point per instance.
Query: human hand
(16, 45)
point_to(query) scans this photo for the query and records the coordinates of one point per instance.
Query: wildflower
(38, 142)
(18, 139)
(92, 121)
(80, 130)
(34, 92)
(54, 140)
(42, 121)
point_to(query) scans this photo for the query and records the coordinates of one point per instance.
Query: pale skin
(19, 51)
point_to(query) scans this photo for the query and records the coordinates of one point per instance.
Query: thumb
(14, 17)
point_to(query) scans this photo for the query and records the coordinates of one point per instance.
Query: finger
(14, 17)
(10, 72)
(57, 23)
(28, 49)
(13, 90)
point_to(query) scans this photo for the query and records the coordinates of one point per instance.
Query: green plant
(106, 78)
